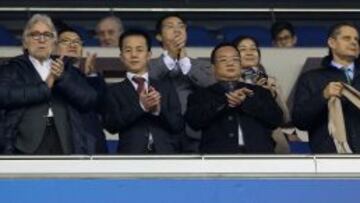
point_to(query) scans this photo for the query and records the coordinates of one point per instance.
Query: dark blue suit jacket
(126, 117)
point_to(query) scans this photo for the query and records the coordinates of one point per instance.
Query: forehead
(284, 32)
(172, 20)
(348, 30)
(246, 42)
(40, 26)
(134, 40)
(69, 35)
(226, 51)
(107, 24)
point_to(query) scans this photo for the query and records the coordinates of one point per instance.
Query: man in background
(108, 31)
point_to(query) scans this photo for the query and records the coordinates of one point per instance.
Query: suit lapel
(130, 90)
(33, 75)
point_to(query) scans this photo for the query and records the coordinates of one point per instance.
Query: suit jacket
(89, 123)
(126, 117)
(310, 110)
(22, 91)
(208, 111)
(200, 75)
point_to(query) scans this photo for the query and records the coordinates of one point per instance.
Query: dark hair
(240, 38)
(159, 23)
(278, 27)
(221, 45)
(134, 32)
(68, 29)
(335, 29)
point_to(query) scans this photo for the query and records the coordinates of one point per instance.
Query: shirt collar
(37, 63)
(130, 75)
(341, 67)
(169, 62)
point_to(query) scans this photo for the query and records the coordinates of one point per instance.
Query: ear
(121, 57)
(149, 55)
(331, 42)
(274, 43)
(24, 44)
(158, 37)
(295, 40)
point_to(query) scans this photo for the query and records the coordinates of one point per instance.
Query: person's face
(69, 44)
(134, 54)
(172, 27)
(284, 39)
(249, 55)
(227, 64)
(40, 41)
(108, 33)
(345, 44)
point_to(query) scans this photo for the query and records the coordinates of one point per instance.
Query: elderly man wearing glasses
(40, 95)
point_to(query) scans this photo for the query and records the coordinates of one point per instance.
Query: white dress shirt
(43, 69)
(130, 76)
(184, 63)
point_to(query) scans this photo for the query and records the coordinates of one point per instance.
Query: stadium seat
(311, 36)
(299, 147)
(85, 35)
(200, 36)
(260, 33)
(7, 38)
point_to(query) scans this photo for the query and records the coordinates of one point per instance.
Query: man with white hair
(108, 30)
(40, 93)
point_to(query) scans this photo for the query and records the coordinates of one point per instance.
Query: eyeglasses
(44, 35)
(68, 42)
(227, 60)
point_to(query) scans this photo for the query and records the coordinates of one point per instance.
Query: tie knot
(139, 80)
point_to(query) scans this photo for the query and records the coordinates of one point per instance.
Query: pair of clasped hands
(150, 99)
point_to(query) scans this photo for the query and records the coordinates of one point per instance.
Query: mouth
(231, 70)
(134, 62)
(74, 51)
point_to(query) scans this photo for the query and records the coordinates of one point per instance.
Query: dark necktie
(140, 81)
(175, 72)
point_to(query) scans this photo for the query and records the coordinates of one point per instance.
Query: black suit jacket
(208, 111)
(126, 117)
(21, 88)
(310, 110)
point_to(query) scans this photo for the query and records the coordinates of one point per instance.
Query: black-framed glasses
(43, 35)
(68, 42)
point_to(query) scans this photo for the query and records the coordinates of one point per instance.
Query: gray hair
(115, 19)
(39, 18)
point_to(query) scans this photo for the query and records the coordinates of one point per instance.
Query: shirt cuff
(92, 75)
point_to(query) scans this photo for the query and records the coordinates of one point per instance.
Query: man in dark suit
(234, 117)
(39, 94)
(144, 112)
(318, 85)
(186, 73)
(70, 44)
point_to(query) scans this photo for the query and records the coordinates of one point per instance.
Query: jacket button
(231, 134)
(231, 118)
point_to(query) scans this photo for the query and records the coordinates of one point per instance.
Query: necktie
(348, 74)
(140, 81)
(175, 72)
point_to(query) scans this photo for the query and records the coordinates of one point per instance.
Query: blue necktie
(349, 75)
